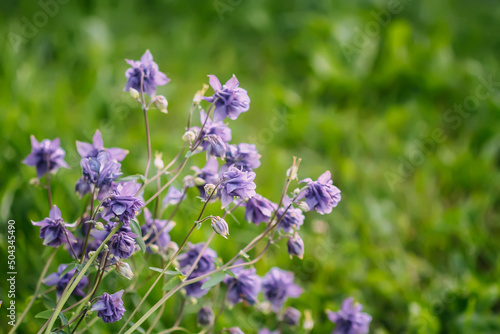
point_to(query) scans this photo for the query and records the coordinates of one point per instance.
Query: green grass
(418, 249)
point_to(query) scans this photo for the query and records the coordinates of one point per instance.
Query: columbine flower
(293, 219)
(62, 281)
(243, 156)
(215, 146)
(245, 287)
(124, 205)
(209, 173)
(259, 209)
(291, 316)
(204, 266)
(205, 316)
(230, 100)
(151, 229)
(87, 150)
(174, 196)
(212, 128)
(321, 195)
(236, 184)
(123, 269)
(277, 286)
(350, 319)
(147, 72)
(235, 330)
(122, 244)
(110, 307)
(53, 232)
(295, 246)
(220, 226)
(100, 171)
(46, 156)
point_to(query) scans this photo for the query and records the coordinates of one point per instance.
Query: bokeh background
(400, 100)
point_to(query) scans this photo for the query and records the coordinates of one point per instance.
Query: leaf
(134, 226)
(49, 303)
(245, 255)
(214, 279)
(172, 283)
(63, 318)
(44, 314)
(130, 178)
(167, 272)
(230, 273)
(189, 154)
(70, 267)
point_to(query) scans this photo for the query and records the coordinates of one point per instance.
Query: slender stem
(168, 183)
(171, 330)
(158, 316)
(84, 251)
(181, 312)
(69, 243)
(49, 192)
(221, 309)
(35, 295)
(148, 137)
(90, 323)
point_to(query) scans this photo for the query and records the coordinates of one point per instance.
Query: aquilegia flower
(215, 146)
(174, 196)
(87, 150)
(230, 100)
(101, 170)
(321, 195)
(205, 316)
(209, 173)
(245, 287)
(122, 244)
(243, 156)
(234, 330)
(46, 156)
(204, 266)
(277, 286)
(110, 307)
(156, 230)
(124, 205)
(53, 232)
(293, 219)
(259, 209)
(62, 281)
(212, 128)
(236, 183)
(350, 319)
(268, 331)
(295, 246)
(145, 71)
(291, 316)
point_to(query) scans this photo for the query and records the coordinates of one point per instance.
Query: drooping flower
(100, 171)
(245, 287)
(205, 316)
(215, 146)
(145, 71)
(321, 195)
(277, 286)
(293, 218)
(174, 196)
(259, 209)
(236, 183)
(220, 226)
(204, 266)
(349, 319)
(125, 204)
(209, 173)
(230, 100)
(156, 231)
(243, 156)
(87, 150)
(291, 316)
(46, 156)
(110, 307)
(122, 244)
(295, 246)
(212, 128)
(53, 232)
(62, 281)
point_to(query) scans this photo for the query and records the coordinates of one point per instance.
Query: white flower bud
(154, 248)
(161, 103)
(199, 94)
(99, 226)
(199, 181)
(210, 190)
(124, 270)
(308, 321)
(303, 206)
(189, 136)
(158, 161)
(189, 181)
(134, 93)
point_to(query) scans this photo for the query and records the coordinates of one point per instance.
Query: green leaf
(44, 314)
(230, 273)
(49, 303)
(172, 283)
(130, 178)
(134, 226)
(63, 318)
(189, 154)
(214, 279)
(70, 267)
(167, 272)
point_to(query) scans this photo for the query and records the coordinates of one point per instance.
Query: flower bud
(295, 246)
(124, 270)
(210, 190)
(291, 173)
(198, 181)
(303, 206)
(161, 103)
(291, 316)
(189, 181)
(205, 316)
(154, 248)
(189, 136)
(199, 94)
(134, 93)
(220, 226)
(99, 226)
(308, 321)
(216, 146)
(158, 161)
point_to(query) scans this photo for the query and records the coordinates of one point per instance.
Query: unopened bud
(205, 316)
(189, 181)
(210, 190)
(199, 181)
(161, 103)
(295, 246)
(124, 270)
(134, 93)
(291, 173)
(99, 226)
(291, 316)
(154, 248)
(158, 161)
(220, 226)
(199, 94)
(303, 206)
(308, 321)
(189, 136)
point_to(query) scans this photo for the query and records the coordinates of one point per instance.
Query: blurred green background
(371, 90)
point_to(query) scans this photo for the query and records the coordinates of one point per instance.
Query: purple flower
(293, 219)
(53, 232)
(220, 226)
(124, 205)
(100, 171)
(122, 244)
(230, 100)
(46, 156)
(110, 307)
(62, 281)
(267, 331)
(174, 196)
(259, 209)
(291, 316)
(209, 173)
(156, 230)
(212, 128)
(215, 146)
(145, 70)
(235, 330)
(295, 246)
(245, 287)
(236, 184)
(321, 195)
(277, 286)
(204, 266)
(243, 156)
(350, 319)
(205, 316)
(87, 150)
